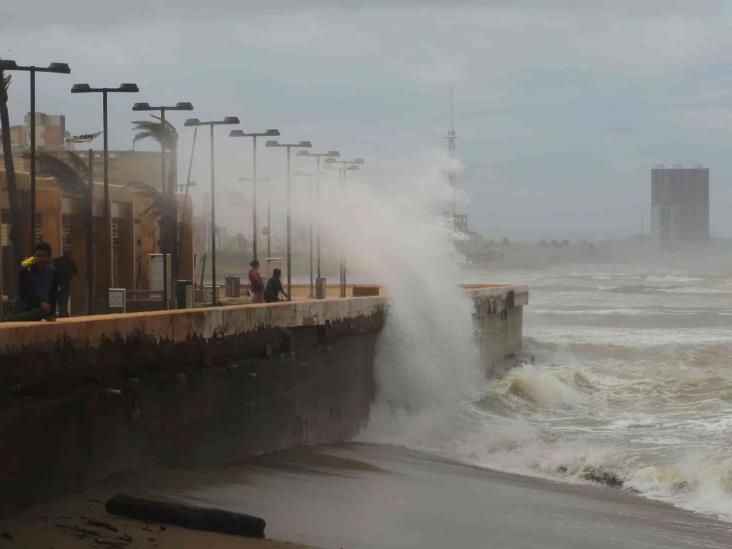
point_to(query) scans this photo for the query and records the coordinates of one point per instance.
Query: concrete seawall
(84, 399)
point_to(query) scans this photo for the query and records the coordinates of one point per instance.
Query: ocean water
(627, 383)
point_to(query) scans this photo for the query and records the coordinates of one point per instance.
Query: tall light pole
(345, 166)
(289, 146)
(264, 179)
(123, 88)
(254, 135)
(310, 176)
(318, 156)
(195, 122)
(169, 214)
(58, 68)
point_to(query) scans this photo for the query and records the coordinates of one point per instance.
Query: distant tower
(460, 222)
(451, 137)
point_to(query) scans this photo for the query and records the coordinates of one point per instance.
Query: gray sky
(562, 107)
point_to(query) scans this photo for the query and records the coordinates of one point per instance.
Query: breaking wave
(635, 395)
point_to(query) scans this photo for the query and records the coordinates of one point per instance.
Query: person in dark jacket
(37, 287)
(65, 270)
(274, 288)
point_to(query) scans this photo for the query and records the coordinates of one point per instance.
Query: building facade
(680, 204)
(50, 133)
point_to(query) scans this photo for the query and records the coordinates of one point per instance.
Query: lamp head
(330, 160)
(128, 87)
(62, 68)
(359, 161)
(192, 122)
(272, 133)
(8, 64)
(306, 144)
(141, 107)
(184, 106)
(272, 143)
(333, 154)
(236, 133)
(231, 120)
(303, 153)
(80, 88)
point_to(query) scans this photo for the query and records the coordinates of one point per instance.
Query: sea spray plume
(394, 232)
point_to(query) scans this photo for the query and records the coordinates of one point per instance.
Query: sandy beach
(80, 521)
(369, 496)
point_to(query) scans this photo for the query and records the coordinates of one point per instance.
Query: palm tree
(152, 211)
(74, 177)
(10, 180)
(167, 136)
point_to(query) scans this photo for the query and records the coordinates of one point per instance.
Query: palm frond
(79, 164)
(68, 177)
(166, 134)
(157, 200)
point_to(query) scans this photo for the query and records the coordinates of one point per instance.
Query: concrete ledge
(178, 325)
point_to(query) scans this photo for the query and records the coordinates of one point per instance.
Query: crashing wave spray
(396, 234)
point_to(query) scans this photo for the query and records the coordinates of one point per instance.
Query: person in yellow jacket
(37, 287)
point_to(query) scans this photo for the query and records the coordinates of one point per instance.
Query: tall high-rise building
(680, 204)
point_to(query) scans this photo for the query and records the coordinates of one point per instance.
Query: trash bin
(184, 294)
(233, 286)
(320, 288)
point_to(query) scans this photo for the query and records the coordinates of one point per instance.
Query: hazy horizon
(561, 108)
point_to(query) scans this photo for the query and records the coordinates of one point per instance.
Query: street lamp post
(310, 228)
(169, 214)
(289, 146)
(123, 88)
(254, 135)
(345, 166)
(58, 68)
(318, 156)
(195, 122)
(264, 179)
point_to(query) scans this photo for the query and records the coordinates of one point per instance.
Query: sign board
(207, 293)
(156, 273)
(117, 299)
(272, 264)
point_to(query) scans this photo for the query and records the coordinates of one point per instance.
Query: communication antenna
(451, 137)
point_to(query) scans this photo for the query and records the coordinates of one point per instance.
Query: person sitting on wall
(274, 288)
(256, 284)
(37, 287)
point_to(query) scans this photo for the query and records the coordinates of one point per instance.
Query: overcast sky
(561, 107)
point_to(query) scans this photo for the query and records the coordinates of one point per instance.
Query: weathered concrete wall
(498, 321)
(83, 399)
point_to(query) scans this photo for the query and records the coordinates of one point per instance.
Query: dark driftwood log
(187, 516)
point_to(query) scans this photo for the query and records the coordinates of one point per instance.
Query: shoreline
(365, 495)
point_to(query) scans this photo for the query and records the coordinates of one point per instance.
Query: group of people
(261, 293)
(44, 285)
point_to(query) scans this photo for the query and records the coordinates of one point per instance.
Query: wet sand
(379, 496)
(80, 522)
(367, 496)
